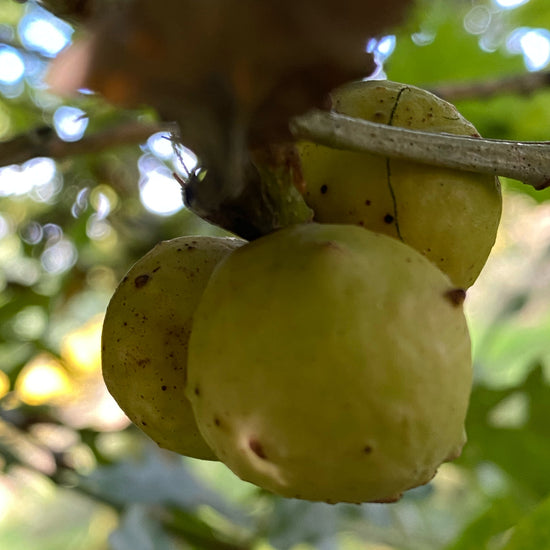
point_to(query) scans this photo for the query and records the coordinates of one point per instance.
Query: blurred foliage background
(77, 475)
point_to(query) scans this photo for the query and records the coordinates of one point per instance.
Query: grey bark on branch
(528, 162)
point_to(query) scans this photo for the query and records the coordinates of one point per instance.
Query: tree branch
(43, 142)
(522, 84)
(528, 162)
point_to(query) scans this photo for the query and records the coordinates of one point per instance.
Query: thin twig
(523, 84)
(43, 142)
(528, 162)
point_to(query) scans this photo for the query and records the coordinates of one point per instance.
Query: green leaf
(294, 522)
(499, 515)
(508, 349)
(159, 478)
(140, 531)
(533, 531)
(522, 451)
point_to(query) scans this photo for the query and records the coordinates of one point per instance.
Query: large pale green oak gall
(330, 363)
(449, 216)
(145, 338)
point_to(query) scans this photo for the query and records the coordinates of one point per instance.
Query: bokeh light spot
(5, 226)
(59, 257)
(160, 193)
(43, 380)
(4, 384)
(510, 4)
(30, 323)
(34, 174)
(185, 161)
(533, 44)
(70, 123)
(40, 170)
(536, 49)
(82, 347)
(477, 20)
(32, 233)
(161, 145)
(42, 32)
(97, 228)
(12, 67)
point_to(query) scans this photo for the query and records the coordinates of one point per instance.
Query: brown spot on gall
(323, 189)
(256, 448)
(456, 296)
(388, 218)
(141, 280)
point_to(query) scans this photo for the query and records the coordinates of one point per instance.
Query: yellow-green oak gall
(145, 338)
(450, 216)
(330, 363)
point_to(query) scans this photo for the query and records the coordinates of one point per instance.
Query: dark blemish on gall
(323, 189)
(367, 449)
(141, 280)
(143, 423)
(367, 202)
(197, 391)
(388, 218)
(217, 421)
(256, 448)
(456, 296)
(156, 269)
(163, 388)
(125, 279)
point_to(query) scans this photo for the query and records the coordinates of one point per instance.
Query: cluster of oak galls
(327, 360)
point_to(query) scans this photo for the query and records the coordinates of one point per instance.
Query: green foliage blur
(77, 475)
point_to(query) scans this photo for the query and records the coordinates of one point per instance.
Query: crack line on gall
(388, 167)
